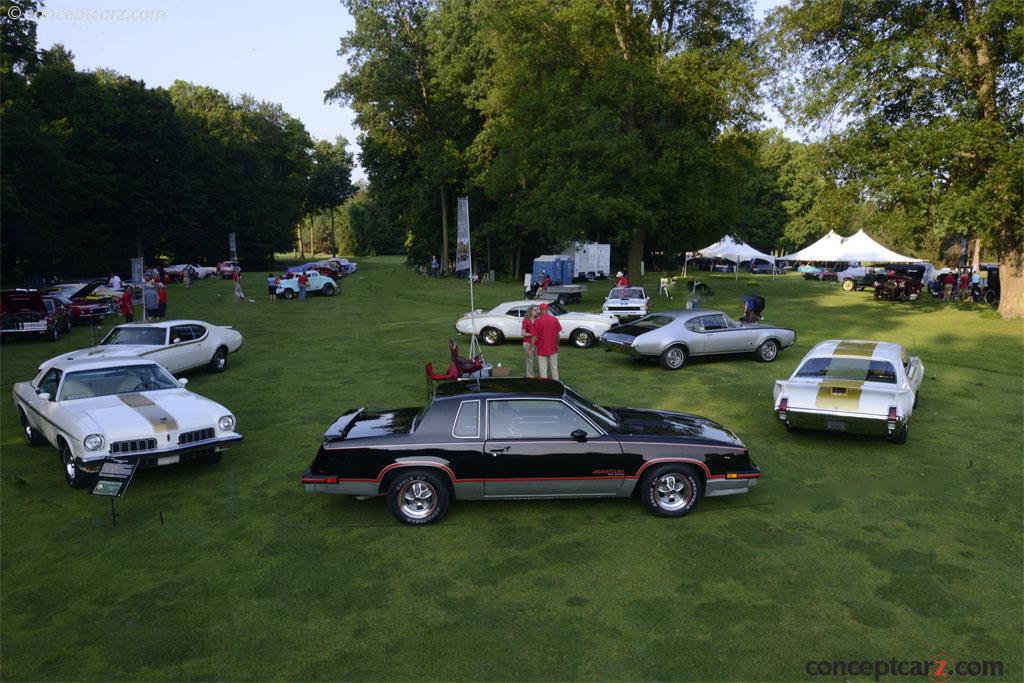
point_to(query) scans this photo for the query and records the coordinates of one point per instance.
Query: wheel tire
(674, 357)
(76, 478)
(562, 300)
(671, 490)
(219, 362)
(32, 437)
(990, 296)
(849, 285)
(288, 294)
(900, 437)
(768, 351)
(210, 458)
(418, 497)
(582, 339)
(792, 429)
(328, 290)
(491, 336)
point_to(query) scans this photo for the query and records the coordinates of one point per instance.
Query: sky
(283, 51)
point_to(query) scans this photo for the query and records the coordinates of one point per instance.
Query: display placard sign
(462, 253)
(231, 246)
(114, 477)
(137, 276)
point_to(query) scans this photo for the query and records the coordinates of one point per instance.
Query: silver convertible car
(672, 337)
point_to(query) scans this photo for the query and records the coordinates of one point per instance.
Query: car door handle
(498, 451)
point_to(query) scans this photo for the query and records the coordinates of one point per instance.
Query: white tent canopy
(733, 250)
(857, 248)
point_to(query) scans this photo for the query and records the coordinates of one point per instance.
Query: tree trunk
(1011, 284)
(334, 239)
(976, 260)
(488, 256)
(444, 230)
(302, 248)
(636, 254)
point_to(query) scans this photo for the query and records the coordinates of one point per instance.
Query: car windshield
(856, 369)
(116, 380)
(596, 413)
(626, 293)
(145, 336)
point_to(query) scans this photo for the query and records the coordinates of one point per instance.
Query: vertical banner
(231, 246)
(462, 260)
(137, 280)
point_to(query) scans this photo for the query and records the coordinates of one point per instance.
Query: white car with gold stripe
(864, 387)
(130, 409)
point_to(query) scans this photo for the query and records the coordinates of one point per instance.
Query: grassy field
(849, 548)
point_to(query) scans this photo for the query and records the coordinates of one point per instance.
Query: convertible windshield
(596, 413)
(856, 369)
(110, 381)
(145, 336)
(627, 293)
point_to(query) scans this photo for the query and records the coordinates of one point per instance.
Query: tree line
(637, 122)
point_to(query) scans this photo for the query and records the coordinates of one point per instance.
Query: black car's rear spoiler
(339, 429)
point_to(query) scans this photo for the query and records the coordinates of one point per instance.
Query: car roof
(503, 386)
(857, 348)
(165, 323)
(523, 302)
(687, 314)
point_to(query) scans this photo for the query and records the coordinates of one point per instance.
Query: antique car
(627, 302)
(225, 269)
(896, 288)
(26, 312)
(863, 387)
(673, 337)
(178, 345)
(525, 438)
(198, 272)
(91, 410)
(505, 321)
(318, 284)
(85, 305)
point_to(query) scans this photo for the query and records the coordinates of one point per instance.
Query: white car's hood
(162, 413)
(108, 351)
(597, 318)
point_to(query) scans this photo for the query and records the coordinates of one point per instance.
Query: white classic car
(318, 284)
(198, 272)
(92, 410)
(865, 387)
(627, 302)
(505, 321)
(178, 345)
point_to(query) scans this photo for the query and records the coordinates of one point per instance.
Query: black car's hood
(662, 423)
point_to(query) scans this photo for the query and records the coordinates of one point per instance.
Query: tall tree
(330, 181)
(928, 97)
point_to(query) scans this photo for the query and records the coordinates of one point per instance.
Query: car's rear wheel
(673, 358)
(219, 362)
(581, 338)
(418, 497)
(767, 351)
(849, 285)
(32, 437)
(671, 490)
(491, 336)
(900, 437)
(990, 296)
(288, 294)
(75, 477)
(328, 290)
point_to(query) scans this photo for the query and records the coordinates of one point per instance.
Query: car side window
(516, 312)
(198, 331)
(534, 419)
(467, 421)
(714, 322)
(694, 325)
(181, 333)
(50, 382)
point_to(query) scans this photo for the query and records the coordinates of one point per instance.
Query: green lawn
(849, 548)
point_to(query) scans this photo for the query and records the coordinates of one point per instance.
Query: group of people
(154, 299)
(965, 288)
(541, 332)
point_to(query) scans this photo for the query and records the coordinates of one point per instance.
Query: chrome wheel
(673, 491)
(490, 336)
(769, 350)
(673, 358)
(417, 499)
(582, 338)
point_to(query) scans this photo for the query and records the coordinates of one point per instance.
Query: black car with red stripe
(525, 438)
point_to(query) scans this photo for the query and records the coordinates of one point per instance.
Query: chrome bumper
(874, 425)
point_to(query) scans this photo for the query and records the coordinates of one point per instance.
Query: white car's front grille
(133, 446)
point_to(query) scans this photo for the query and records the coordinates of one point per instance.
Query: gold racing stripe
(863, 349)
(839, 394)
(155, 415)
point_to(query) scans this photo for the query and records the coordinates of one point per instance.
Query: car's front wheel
(767, 351)
(491, 336)
(582, 339)
(418, 498)
(211, 458)
(671, 490)
(75, 477)
(54, 333)
(288, 294)
(673, 358)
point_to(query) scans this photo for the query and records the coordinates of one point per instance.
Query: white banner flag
(462, 247)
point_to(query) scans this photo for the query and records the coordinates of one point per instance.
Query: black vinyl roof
(504, 385)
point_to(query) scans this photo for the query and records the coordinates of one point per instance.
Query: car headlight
(93, 442)
(226, 423)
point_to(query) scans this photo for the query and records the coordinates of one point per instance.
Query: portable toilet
(556, 266)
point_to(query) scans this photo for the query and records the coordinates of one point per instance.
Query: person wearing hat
(546, 329)
(623, 280)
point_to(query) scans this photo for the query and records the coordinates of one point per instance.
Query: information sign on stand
(113, 481)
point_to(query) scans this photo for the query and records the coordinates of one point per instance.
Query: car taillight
(319, 480)
(783, 408)
(892, 418)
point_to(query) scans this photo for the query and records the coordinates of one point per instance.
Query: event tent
(733, 250)
(859, 247)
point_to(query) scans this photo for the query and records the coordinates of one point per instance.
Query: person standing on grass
(237, 278)
(161, 293)
(186, 277)
(272, 287)
(948, 283)
(965, 286)
(303, 281)
(150, 299)
(126, 305)
(546, 330)
(115, 281)
(435, 266)
(530, 341)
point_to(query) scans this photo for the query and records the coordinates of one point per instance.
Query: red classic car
(26, 311)
(85, 306)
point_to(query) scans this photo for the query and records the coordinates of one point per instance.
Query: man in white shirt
(115, 281)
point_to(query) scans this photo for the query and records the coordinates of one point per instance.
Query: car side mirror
(44, 395)
(579, 435)
(182, 381)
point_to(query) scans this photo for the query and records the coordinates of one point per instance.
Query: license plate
(837, 425)
(168, 460)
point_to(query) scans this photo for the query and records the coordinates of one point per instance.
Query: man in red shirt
(303, 281)
(948, 283)
(965, 286)
(161, 293)
(126, 305)
(623, 281)
(545, 330)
